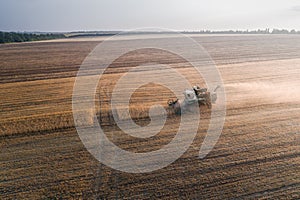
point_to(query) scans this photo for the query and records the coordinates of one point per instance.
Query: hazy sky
(72, 15)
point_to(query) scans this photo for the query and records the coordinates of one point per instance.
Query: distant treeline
(111, 33)
(8, 37)
(259, 31)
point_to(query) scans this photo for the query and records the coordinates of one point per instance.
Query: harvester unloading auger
(193, 96)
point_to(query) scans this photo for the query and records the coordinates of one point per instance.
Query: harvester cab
(190, 96)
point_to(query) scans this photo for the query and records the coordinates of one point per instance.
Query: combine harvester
(193, 97)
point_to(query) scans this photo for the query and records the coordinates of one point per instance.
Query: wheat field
(256, 157)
